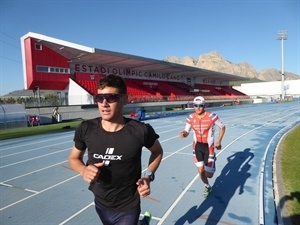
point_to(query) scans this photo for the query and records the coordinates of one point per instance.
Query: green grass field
(44, 129)
(289, 162)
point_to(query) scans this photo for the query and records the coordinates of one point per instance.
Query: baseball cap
(199, 100)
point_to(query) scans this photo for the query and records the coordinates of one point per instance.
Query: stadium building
(271, 91)
(74, 70)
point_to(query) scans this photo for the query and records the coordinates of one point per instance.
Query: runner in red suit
(203, 124)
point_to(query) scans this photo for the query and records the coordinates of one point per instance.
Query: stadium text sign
(92, 69)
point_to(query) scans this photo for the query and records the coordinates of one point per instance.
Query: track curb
(283, 216)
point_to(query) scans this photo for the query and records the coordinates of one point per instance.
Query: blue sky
(240, 30)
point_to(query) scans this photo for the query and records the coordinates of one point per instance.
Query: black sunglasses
(110, 98)
(198, 105)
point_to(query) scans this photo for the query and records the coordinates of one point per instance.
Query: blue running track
(39, 188)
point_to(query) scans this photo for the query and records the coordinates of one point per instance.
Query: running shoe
(147, 218)
(207, 191)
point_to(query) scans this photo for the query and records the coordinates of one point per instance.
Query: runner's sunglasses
(198, 105)
(110, 98)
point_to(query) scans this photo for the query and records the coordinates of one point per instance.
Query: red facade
(44, 66)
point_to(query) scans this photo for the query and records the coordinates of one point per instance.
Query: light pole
(282, 35)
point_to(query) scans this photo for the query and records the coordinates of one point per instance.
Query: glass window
(38, 47)
(42, 69)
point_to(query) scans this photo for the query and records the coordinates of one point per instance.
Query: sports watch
(150, 174)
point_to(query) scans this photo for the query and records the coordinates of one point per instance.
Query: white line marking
(24, 189)
(23, 199)
(41, 156)
(74, 215)
(176, 201)
(36, 142)
(33, 149)
(261, 180)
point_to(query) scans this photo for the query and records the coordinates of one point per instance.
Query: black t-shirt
(115, 188)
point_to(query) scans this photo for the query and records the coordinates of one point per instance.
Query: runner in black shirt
(114, 145)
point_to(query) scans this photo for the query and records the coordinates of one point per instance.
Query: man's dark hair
(115, 81)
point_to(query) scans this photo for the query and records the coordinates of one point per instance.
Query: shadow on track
(233, 177)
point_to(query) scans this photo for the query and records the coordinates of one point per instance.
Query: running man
(114, 147)
(203, 124)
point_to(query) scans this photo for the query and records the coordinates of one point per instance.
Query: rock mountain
(214, 61)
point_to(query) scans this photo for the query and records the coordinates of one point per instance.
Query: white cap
(199, 100)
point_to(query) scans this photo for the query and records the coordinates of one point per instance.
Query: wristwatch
(150, 174)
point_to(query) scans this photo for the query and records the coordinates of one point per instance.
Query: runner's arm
(186, 131)
(154, 161)
(76, 160)
(219, 140)
(88, 173)
(155, 157)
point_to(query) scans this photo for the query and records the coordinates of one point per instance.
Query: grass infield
(290, 160)
(36, 130)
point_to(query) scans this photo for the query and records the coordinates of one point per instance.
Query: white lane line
(76, 214)
(167, 213)
(34, 149)
(41, 156)
(24, 189)
(36, 142)
(262, 172)
(35, 171)
(176, 201)
(86, 207)
(46, 189)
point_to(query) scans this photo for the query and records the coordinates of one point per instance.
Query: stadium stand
(145, 91)
(74, 71)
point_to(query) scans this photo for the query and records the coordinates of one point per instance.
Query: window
(43, 69)
(47, 69)
(38, 47)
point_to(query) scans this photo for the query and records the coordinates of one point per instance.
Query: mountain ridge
(216, 62)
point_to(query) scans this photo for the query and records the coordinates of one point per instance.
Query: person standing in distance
(114, 147)
(203, 124)
(55, 115)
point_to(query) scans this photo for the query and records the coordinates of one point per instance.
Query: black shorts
(201, 152)
(113, 217)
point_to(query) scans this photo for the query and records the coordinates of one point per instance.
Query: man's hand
(218, 145)
(91, 172)
(143, 187)
(183, 134)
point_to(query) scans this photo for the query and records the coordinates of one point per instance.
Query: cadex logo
(108, 156)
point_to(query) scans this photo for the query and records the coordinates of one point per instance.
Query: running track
(38, 187)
